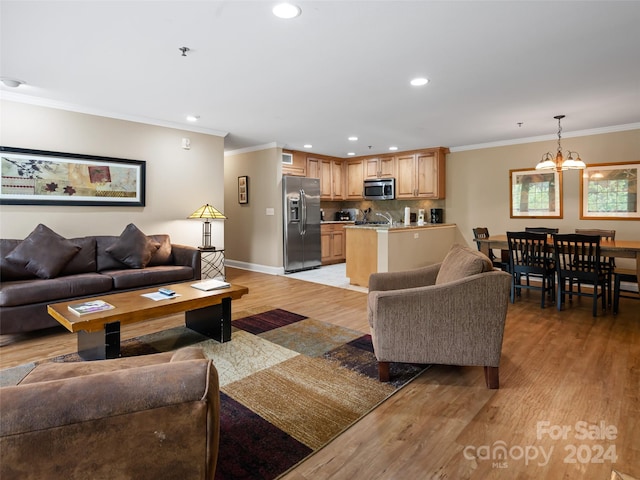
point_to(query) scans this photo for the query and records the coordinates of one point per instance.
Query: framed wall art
(38, 177)
(535, 194)
(610, 191)
(243, 189)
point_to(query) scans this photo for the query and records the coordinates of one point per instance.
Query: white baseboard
(254, 267)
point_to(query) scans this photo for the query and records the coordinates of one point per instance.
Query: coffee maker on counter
(437, 215)
(342, 215)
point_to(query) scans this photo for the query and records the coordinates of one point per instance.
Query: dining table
(608, 248)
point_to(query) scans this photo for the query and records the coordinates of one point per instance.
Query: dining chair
(631, 286)
(548, 231)
(529, 256)
(577, 259)
(503, 262)
(607, 264)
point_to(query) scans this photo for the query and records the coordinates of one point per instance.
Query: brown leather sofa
(147, 417)
(46, 268)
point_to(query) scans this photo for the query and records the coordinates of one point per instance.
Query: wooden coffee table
(208, 313)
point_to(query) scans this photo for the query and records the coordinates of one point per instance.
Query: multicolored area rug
(289, 384)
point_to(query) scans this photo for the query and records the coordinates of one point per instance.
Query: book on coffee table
(211, 284)
(92, 306)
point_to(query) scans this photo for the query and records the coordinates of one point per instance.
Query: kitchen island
(393, 248)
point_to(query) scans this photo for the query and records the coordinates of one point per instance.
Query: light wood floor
(562, 368)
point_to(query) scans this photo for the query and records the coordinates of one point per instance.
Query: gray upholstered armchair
(146, 417)
(452, 313)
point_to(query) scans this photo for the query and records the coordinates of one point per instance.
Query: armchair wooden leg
(383, 371)
(491, 377)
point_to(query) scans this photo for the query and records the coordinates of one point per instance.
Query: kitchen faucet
(386, 216)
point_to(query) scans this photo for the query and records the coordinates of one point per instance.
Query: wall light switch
(271, 211)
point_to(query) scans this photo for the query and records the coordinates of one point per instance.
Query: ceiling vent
(287, 158)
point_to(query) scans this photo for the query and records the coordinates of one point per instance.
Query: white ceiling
(341, 68)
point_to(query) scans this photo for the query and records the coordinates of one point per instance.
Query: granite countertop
(336, 221)
(400, 226)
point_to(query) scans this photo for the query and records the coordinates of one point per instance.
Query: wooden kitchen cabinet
(299, 165)
(379, 167)
(326, 192)
(355, 179)
(337, 180)
(332, 243)
(330, 173)
(421, 174)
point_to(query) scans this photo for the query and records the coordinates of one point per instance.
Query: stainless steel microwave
(379, 189)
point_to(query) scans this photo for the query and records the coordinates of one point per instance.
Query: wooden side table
(212, 263)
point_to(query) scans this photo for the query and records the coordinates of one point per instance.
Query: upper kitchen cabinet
(337, 180)
(330, 173)
(421, 174)
(355, 178)
(294, 163)
(379, 167)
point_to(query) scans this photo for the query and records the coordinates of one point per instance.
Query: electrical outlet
(271, 211)
(416, 235)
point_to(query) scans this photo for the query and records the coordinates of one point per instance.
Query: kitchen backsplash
(394, 207)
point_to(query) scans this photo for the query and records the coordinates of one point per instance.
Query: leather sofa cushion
(133, 248)
(26, 292)
(8, 270)
(85, 260)
(44, 252)
(462, 262)
(104, 261)
(135, 278)
(164, 255)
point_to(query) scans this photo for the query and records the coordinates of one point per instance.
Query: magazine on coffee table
(211, 284)
(91, 306)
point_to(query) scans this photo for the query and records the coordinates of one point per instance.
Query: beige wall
(177, 181)
(254, 239)
(478, 184)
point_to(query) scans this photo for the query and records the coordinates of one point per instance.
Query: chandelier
(548, 162)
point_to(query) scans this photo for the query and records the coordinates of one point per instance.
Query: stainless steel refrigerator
(301, 223)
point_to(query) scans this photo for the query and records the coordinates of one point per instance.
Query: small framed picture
(243, 189)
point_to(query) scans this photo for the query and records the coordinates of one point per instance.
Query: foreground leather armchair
(452, 313)
(147, 417)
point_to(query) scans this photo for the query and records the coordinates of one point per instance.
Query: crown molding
(44, 102)
(255, 148)
(544, 138)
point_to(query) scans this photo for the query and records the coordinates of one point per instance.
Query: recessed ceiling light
(193, 118)
(351, 154)
(393, 148)
(286, 10)
(308, 145)
(353, 139)
(418, 82)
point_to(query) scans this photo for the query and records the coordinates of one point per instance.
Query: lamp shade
(207, 211)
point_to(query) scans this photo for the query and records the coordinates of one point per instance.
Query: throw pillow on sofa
(133, 248)
(43, 253)
(462, 262)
